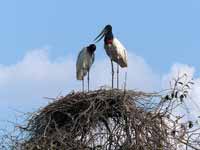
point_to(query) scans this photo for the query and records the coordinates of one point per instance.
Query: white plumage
(117, 52)
(83, 64)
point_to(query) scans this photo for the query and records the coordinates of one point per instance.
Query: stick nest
(107, 120)
(102, 119)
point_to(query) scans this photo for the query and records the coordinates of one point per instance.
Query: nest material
(109, 120)
(102, 119)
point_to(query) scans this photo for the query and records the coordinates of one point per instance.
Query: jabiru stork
(84, 62)
(114, 49)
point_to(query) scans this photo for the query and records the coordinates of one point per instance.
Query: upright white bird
(84, 62)
(114, 49)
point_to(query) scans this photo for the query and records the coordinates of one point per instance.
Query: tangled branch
(110, 120)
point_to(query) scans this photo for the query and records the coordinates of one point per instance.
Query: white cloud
(139, 74)
(177, 70)
(24, 84)
(36, 70)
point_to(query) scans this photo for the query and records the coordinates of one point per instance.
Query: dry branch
(107, 120)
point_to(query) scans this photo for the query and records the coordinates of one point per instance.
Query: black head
(92, 48)
(107, 30)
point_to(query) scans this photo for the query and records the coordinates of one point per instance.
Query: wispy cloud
(140, 76)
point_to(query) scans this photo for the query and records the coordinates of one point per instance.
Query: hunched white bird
(84, 62)
(114, 49)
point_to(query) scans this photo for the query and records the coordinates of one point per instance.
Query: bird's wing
(93, 58)
(122, 53)
(81, 64)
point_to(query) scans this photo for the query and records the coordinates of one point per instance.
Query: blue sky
(163, 32)
(40, 39)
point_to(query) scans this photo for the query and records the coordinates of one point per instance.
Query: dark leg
(83, 85)
(112, 73)
(125, 80)
(88, 79)
(117, 76)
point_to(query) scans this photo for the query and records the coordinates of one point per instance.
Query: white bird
(84, 62)
(114, 49)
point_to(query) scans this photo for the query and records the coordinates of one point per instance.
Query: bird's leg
(83, 85)
(88, 79)
(117, 76)
(112, 72)
(125, 81)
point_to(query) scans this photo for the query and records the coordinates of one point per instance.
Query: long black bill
(100, 36)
